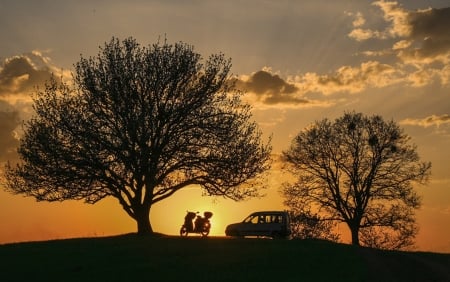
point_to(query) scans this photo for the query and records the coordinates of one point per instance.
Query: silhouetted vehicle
(199, 225)
(275, 224)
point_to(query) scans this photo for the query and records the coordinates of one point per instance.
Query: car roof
(268, 212)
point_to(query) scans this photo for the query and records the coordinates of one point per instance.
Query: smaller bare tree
(359, 170)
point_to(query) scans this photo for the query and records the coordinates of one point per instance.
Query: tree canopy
(139, 124)
(358, 170)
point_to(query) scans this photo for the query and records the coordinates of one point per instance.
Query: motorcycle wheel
(205, 230)
(183, 231)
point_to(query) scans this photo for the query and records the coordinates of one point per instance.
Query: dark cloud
(271, 89)
(20, 74)
(432, 22)
(263, 82)
(9, 120)
(432, 28)
(424, 34)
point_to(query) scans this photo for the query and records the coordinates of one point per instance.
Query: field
(165, 258)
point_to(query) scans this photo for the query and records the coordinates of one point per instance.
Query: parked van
(275, 224)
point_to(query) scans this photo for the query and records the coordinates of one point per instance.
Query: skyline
(297, 62)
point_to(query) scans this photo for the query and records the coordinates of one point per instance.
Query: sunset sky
(298, 61)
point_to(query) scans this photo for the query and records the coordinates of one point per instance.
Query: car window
(276, 218)
(264, 218)
(252, 219)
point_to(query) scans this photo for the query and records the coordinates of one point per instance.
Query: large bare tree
(139, 124)
(358, 170)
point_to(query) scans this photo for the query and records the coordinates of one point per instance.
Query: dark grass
(165, 258)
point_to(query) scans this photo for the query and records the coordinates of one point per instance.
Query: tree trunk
(354, 229)
(142, 218)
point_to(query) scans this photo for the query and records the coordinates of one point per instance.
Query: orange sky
(299, 61)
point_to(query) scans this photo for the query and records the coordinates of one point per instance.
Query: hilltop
(167, 258)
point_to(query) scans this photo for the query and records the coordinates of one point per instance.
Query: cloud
(424, 76)
(263, 82)
(433, 120)
(359, 20)
(350, 79)
(393, 14)
(20, 74)
(360, 34)
(419, 56)
(9, 120)
(265, 89)
(420, 42)
(424, 36)
(402, 44)
(270, 89)
(396, 16)
(430, 31)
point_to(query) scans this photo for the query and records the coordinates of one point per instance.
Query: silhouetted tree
(139, 124)
(358, 170)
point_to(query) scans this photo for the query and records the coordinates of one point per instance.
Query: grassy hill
(165, 258)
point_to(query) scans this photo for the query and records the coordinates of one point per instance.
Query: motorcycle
(200, 225)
